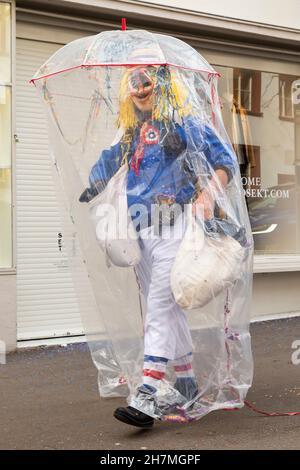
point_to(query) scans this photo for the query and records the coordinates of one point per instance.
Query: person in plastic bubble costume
(153, 143)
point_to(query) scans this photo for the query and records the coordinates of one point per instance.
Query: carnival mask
(141, 82)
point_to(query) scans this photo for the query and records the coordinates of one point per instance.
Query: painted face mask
(141, 81)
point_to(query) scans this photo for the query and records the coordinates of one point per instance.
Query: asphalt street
(49, 400)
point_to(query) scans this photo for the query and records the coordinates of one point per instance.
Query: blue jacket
(170, 167)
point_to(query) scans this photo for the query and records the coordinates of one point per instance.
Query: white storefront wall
(45, 294)
(272, 12)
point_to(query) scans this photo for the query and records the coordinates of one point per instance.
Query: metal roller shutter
(47, 305)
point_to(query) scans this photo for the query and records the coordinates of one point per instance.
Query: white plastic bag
(204, 266)
(114, 228)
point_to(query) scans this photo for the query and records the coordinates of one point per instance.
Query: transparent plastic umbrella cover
(159, 246)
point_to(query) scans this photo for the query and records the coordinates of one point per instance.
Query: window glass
(286, 105)
(247, 90)
(261, 110)
(5, 43)
(5, 138)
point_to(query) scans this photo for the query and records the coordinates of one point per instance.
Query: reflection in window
(268, 150)
(286, 105)
(247, 90)
(5, 215)
(5, 137)
(5, 43)
(5, 178)
(249, 161)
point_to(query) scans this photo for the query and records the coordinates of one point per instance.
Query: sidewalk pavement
(49, 400)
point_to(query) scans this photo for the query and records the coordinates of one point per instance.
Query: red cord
(246, 403)
(265, 413)
(123, 24)
(274, 413)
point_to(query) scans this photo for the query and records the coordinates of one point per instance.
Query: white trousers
(166, 331)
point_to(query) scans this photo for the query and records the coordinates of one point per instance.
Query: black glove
(89, 193)
(225, 227)
(172, 144)
(86, 195)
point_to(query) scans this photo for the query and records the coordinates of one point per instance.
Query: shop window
(268, 152)
(5, 138)
(247, 90)
(249, 162)
(5, 42)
